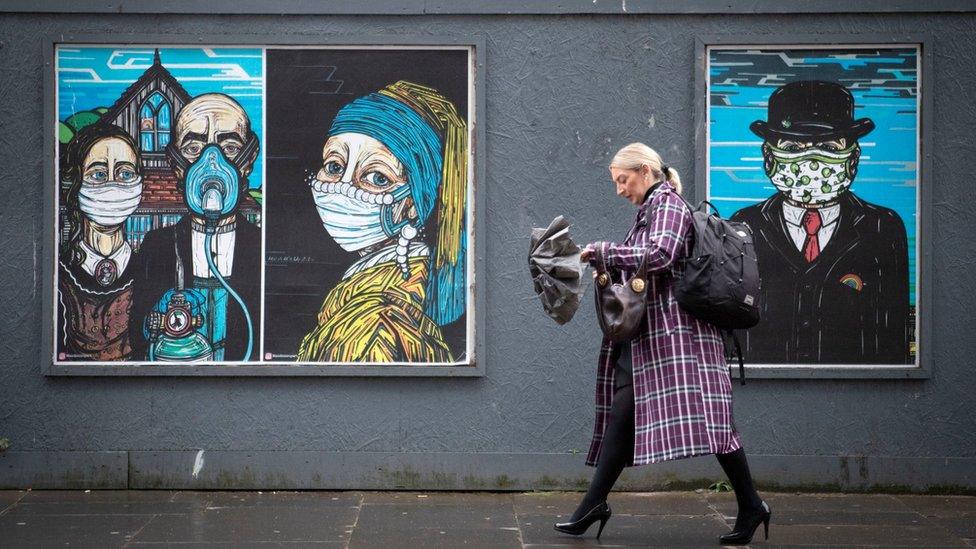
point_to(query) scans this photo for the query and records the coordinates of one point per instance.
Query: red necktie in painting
(812, 223)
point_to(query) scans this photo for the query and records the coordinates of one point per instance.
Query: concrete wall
(563, 92)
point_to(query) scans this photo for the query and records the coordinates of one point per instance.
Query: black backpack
(721, 276)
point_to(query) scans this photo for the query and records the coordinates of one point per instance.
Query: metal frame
(476, 366)
(923, 328)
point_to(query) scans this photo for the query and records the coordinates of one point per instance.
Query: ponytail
(636, 155)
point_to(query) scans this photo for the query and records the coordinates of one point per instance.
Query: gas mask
(811, 176)
(111, 203)
(357, 218)
(212, 183)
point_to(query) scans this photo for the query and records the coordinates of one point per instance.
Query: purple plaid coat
(682, 390)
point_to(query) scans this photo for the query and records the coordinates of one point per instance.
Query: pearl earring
(407, 233)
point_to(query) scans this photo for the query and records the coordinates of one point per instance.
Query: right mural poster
(817, 150)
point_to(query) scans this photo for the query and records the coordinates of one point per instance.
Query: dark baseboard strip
(310, 470)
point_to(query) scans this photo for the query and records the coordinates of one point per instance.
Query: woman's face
(109, 159)
(362, 162)
(111, 188)
(631, 184)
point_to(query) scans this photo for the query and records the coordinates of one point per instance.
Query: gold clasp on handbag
(603, 280)
(637, 284)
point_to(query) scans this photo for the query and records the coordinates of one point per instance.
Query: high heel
(742, 533)
(600, 513)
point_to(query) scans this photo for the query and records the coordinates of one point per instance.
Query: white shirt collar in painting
(120, 256)
(222, 244)
(417, 249)
(794, 222)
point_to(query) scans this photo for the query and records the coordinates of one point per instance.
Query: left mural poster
(159, 158)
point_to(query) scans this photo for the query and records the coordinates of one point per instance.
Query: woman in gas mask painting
(392, 188)
(94, 286)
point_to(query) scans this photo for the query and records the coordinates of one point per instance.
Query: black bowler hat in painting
(811, 110)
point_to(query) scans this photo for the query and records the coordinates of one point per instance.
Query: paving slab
(239, 544)
(404, 519)
(629, 531)
(816, 516)
(408, 516)
(435, 538)
(252, 524)
(627, 503)
(458, 499)
(284, 499)
(88, 496)
(940, 506)
(861, 536)
(963, 526)
(577, 543)
(770, 545)
(724, 502)
(10, 497)
(103, 508)
(79, 531)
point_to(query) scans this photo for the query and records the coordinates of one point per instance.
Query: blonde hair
(635, 155)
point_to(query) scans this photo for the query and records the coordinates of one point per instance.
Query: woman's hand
(586, 254)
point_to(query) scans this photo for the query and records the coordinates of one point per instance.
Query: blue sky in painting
(91, 77)
(885, 88)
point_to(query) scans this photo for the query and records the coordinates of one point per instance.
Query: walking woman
(666, 394)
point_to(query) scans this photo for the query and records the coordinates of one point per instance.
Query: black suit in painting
(809, 314)
(155, 273)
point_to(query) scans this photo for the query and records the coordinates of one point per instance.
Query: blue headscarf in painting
(419, 146)
(408, 136)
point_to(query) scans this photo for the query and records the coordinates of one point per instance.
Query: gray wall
(563, 93)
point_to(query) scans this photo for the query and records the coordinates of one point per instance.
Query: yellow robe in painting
(375, 315)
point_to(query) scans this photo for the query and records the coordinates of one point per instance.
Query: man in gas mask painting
(197, 294)
(834, 267)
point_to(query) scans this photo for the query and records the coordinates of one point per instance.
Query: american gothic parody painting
(263, 205)
(817, 149)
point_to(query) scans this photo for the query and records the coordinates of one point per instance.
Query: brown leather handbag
(621, 308)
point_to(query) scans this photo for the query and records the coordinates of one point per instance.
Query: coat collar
(640, 219)
(653, 191)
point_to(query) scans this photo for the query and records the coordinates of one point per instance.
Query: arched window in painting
(154, 123)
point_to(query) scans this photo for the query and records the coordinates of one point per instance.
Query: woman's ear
(411, 210)
(645, 171)
(406, 210)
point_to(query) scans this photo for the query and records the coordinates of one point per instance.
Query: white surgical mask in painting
(110, 203)
(354, 217)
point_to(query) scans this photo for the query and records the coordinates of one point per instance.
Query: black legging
(618, 438)
(618, 446)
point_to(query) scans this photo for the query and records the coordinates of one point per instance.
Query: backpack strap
(738, 353)
(692, 209)
(687, 204)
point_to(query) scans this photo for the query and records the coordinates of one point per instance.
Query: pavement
(389, 520)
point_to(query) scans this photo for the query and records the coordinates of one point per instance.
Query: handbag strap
(601, 262)
(642, 269)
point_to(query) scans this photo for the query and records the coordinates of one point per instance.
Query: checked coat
(682, 390)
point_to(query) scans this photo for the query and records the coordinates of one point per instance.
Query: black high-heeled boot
(745, 527)
(600, 513)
